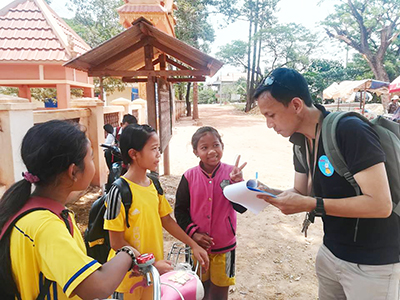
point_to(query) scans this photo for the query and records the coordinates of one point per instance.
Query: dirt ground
(274, 260)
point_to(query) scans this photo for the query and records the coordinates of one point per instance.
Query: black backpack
(389, 137)
(96, 238)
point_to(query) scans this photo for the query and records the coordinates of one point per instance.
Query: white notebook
(245, 193)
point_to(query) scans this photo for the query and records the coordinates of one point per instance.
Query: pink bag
(181, 283)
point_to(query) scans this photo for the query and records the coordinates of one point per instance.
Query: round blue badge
(325, 166)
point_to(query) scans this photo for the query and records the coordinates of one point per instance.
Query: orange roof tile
(130, 8)
(31, 31)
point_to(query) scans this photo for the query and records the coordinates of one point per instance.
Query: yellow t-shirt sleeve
(59, 256)
(117, 224)
(164, 208)
(114, 218)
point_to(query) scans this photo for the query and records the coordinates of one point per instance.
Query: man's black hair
(285, 84)
(128, 118)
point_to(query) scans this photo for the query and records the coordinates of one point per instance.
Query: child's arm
(173, 228)
(117, 240)
(182, 208)
(236, 174)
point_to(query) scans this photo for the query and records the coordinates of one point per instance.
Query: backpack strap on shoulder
(156, 182)
(331, 148)
(126, 196)
(44, 289)
(39, 203)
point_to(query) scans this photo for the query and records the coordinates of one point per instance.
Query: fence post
(95, 133)
(16, 117)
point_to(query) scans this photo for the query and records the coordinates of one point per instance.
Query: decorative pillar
(88, 92)
(16, 117)
(24, 91)
(63, 95)
(95, 134)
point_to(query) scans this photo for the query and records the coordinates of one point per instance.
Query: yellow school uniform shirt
(41, 246)
(145, 231)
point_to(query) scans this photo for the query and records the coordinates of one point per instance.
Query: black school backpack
(96, 238)
(389, 136)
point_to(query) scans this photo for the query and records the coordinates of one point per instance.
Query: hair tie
(30, 178)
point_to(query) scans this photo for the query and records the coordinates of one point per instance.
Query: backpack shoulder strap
(156, 182)
(331, 148)
(39, 203)
(45, 289)
(126, 196)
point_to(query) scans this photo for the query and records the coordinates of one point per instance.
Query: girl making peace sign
(202, 210)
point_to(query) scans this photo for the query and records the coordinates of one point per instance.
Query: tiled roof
(129, 8)
(31, 31)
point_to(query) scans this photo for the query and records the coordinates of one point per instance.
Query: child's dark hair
(47, 150)
(201, 132)
(134, 136)
(130, 119)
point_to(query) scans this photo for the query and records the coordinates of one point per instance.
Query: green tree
(206, 95)
(234, 54)
(322, 73)
(95, 22)
(368, 26)
(194, 29)
(288, 45)
(260, 15)
(9, 91)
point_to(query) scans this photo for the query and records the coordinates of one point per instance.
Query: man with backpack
(359, 258)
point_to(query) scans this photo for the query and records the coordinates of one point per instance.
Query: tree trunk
(380, 73)
(195, 101)
(188, 106)
(254, 60)
(180, 93)
(248, 93)
(258, 61)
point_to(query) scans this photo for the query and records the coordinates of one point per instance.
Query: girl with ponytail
(40, 255)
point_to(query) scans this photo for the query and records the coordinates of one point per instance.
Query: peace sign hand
(236, 175)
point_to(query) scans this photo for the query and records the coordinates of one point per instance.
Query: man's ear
(297, 104)
(195, 153)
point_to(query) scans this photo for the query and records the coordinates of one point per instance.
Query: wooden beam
(195, 79)
(129, 79)
(173, 80)
(176, 64)
(120, 55)
(144, 28)
(150, 87)
(148, 73)
(178, 55)
(162, 59)
(156, 61)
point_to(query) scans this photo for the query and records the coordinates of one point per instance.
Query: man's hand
(263, 187)
(203, 239)
(163, 266)
(236, 175)
(290, 202)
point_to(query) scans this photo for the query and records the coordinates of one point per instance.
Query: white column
(16, 117)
